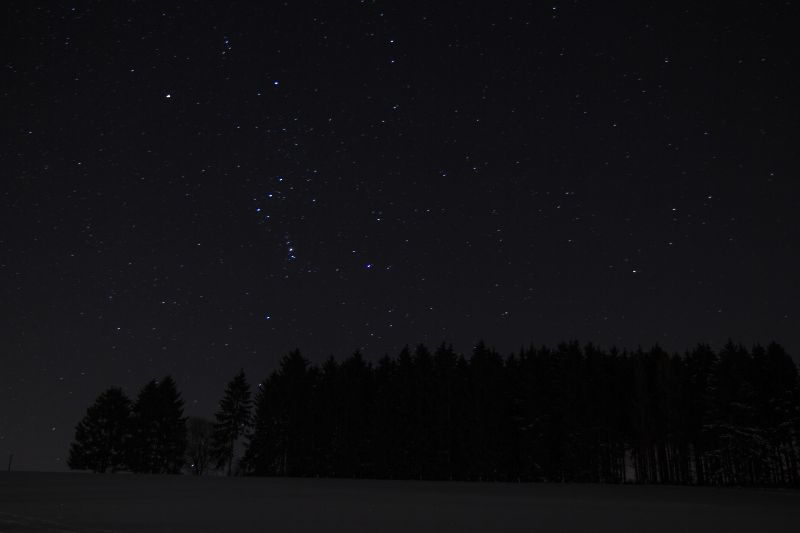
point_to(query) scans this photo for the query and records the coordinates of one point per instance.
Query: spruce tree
(173, 427)
(259, 453)
(283, 442)
(291, 406)
(101, 435)
(231, 420)
(158, 429)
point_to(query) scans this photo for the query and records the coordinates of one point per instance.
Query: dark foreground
(93, 503)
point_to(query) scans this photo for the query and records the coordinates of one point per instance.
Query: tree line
(568, 414)
(146, 436)
(152, 435)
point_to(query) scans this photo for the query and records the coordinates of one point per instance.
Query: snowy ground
(94, 503)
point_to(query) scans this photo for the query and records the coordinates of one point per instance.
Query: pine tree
(101, 435)
(291, 390)
(144, 432)
(325, 411)
(259, 457)
(173, 427)
(159, 429)
(231, 421)
(354, 394)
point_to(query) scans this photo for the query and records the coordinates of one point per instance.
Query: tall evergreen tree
(259, 448)
(325, 411)
(284, 440)
(384, 415)
(101, 436)
(353, 417)
(158, 429)
(232, 421)
(292, 388)
(173, 427)
(449, 425)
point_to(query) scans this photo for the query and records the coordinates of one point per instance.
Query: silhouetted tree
(325, 412)
(448, 431)
(232, 421)
(101, 436)
(487, 437)
(158, 442)
(260, 452)
(291, 391)
(285, 440)
(198, 443)
(384, 415)
(352, 436)
(573, 413)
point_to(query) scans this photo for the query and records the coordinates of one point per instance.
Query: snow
(71, 502)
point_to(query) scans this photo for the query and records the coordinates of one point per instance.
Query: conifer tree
(284, 439)
(232, 420)
(291, 390)
(173, 427)
(158, 429)
(101, 435)
(258, 455)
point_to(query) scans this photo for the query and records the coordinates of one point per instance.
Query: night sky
(190, 188)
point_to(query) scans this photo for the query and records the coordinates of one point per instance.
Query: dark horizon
(570, 413)
(202, 403)
(567, 414)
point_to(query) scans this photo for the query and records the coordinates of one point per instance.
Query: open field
(94, 503)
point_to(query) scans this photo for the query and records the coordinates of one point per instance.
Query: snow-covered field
(93, 503)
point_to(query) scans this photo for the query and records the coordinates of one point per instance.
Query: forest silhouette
(567, 414)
